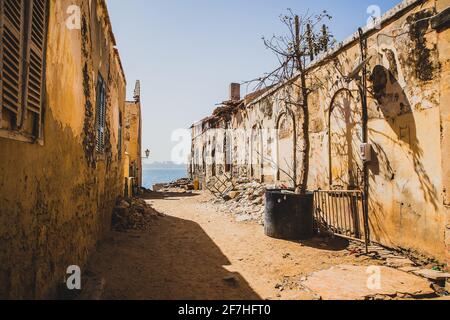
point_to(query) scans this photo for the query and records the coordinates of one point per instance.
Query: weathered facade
(133, 132)
(407, 127)
(61, 158)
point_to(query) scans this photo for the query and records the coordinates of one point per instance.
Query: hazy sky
(186, 52)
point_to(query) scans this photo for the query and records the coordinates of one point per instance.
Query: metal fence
(342, 213)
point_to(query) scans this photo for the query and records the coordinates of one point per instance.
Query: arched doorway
(257, 153)
(227, 150)
(286, 160)
(346, 137)
(204, 167)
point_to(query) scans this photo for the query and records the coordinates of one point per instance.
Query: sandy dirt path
(196, 253)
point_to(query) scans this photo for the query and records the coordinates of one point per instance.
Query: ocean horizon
(152, 176)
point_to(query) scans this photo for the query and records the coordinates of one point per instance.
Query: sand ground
(195, 253)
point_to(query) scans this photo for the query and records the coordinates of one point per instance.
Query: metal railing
(219, 186)
(342, 213)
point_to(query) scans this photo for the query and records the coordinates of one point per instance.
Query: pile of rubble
(181, 185)
(246, 201)
(133, 214)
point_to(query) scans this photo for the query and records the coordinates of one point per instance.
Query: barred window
(23, 33)
(100, 111)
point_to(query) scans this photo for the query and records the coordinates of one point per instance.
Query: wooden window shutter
(37, 31)
(100, 114)
(11, 57)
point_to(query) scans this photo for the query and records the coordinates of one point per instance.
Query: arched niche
(286, 148)
(257, 153)
(345, 139)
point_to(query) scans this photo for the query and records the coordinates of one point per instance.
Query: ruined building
(62, 155)
(386, 144)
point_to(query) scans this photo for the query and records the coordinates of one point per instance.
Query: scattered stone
(133, 214)
(244, 218)
(231, 280)
(409, 269)
(440, 290)
(246, 202)
(399, 262)
(389, 257)
(432, 275)
(234, 194)
(123, 204)
(351, 283)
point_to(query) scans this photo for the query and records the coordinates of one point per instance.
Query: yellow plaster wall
(57, 199)
(132, 134)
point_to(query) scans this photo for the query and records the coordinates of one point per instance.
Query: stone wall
(57, 197)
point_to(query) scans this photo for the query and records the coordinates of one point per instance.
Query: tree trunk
(306, 142)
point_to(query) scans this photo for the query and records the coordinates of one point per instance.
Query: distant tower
(137, 92)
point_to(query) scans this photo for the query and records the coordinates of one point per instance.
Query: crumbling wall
(408, 89)
(57, 199)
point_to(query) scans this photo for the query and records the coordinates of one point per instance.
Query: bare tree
(306, 37)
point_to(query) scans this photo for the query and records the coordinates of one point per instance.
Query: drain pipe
(365, 120)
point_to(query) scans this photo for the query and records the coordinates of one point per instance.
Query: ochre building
(62, 113)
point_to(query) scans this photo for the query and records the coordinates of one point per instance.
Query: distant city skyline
(186, 53)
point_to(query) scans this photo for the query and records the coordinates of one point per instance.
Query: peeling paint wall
(408, 84)
(57, 198)
(444, 60)
(132, 131)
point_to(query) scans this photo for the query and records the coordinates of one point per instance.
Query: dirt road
(196, 253)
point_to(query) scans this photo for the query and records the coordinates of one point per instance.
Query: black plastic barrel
(289, 216)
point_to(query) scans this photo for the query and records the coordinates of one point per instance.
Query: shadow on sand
(151, 195)
(175, 260)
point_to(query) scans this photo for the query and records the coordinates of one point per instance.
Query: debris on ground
(231, 281)
(398, 260)
(180, 185)
(345, 282)
(395, 262)
(433, 275)
(246, 202)
(133, 214)
(288, 283)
